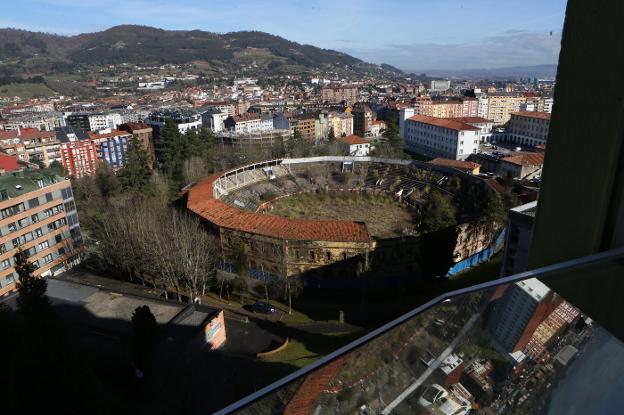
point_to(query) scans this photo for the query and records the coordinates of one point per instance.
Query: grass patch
(306, 348)
(384, 216)
(26, 90)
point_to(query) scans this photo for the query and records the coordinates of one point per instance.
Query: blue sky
(410, 34)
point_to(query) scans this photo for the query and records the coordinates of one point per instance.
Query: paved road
(411, 388)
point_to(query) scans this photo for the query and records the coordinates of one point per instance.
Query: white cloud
(511, 48)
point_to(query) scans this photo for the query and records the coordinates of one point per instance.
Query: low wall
(276, 350)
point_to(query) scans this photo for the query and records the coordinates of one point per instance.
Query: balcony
(476, 350)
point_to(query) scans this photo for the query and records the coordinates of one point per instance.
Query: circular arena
(288, 216)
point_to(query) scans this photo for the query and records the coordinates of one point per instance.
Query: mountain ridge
(29, 52)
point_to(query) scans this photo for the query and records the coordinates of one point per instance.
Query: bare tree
(194, 169)
(196, 254)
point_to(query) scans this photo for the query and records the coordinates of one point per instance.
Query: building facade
(142, 132)
(440, 85)
(112, 147)
(342, 123)
(79, 156)
(353, 145)
(440, 137)
(501, 105)
(338, 94)
(185, 120)
(518, 312)
(38, 216)
(362, 120)
(31, 145)
(484, 125)
(529, 128)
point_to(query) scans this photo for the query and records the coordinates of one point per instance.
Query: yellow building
(501, 105)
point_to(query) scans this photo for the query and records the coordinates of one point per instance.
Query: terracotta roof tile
(533, 114)
(352, 140)
(525, 159)
(472, 120)
(456, 164)
(8, 163)
(201, 201)
(449, 123)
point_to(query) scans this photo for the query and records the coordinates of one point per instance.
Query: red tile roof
(352, 140)
(35, 133)
(495, 185)
(247, 116)
(93, 135)
(456, 164)
(7, 134)
(533, 114)
(132, 126)
(202, 201)
(526, 159)
(449, 123)
(472, 120)
(8, 163)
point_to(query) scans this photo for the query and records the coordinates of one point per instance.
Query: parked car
(262, 307)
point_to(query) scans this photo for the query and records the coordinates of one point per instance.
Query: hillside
(24, 52)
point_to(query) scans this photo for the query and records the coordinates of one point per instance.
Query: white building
(354, 145)
(483, 104)
(184, 120)
(404, 114)
(215, 121)
(483, 124)
(440, 85)
(221, 106)
(516, 310)
(105, 121)
(440, 137)
(249, 123)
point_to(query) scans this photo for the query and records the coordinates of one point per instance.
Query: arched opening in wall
(328, 256)
(312, 256)
(344, 256)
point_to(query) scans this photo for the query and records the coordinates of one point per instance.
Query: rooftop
(472, 120)
(248, 116)
(352, 140)
(533, 114)
(112, 310)
(534, 287)
(25, 181)
(8, 163)
(525, 159)
(448, 123)
(456, 164)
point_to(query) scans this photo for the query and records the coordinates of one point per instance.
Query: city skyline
(462, 36)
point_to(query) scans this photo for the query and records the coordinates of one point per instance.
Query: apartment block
(79, 154)
(501, 105)
(518, 313)
(111, 147)
(31, 145)
(37, 215)
(142, 132)
(337, 94)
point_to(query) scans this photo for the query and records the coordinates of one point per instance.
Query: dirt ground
(384, 216)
